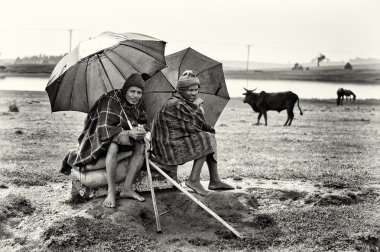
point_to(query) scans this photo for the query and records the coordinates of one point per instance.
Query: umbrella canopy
(99, 65)
(210, 73)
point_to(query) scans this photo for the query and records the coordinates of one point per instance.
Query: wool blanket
(106, 119)
(180, 133)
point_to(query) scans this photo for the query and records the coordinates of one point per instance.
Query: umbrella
(210, 73)
(99, 65)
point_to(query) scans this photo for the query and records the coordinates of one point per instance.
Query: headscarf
(134, 80)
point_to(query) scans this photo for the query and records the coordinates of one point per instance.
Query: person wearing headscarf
(180, 134)
(114, 123)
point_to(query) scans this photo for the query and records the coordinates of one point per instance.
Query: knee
(112, 150)
(139, 148)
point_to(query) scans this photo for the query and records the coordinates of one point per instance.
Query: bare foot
(129, 193)
(219, 185)
(197, 187)
(110, 201)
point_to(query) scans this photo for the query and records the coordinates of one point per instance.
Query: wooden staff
(196, 200)
(152, 188)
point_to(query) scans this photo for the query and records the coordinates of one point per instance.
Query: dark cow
(263, 102)
(341, 93)
(348, 94)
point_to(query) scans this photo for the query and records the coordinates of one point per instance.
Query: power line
(32, 29)
(43, 29)
(183, 41)
(299, 49)
(71, 30)
(208, 42)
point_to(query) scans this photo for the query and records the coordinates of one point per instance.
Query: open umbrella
(210, 73)
(99, 65)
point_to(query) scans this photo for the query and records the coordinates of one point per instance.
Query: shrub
(13, 107)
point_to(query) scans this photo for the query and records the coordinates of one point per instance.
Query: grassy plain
(313, 186)
(30, 70)
(366, 74)
(360, 74)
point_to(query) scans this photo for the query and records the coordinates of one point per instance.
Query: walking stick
(152, 188)
(196, 200)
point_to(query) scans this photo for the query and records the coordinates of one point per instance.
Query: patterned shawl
(180, 133)
(106, 119)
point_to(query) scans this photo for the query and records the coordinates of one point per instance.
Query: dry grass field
(313, 186)
(369, 74)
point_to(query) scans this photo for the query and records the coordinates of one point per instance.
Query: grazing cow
(342, 93)
(348, 94)
(262, 102)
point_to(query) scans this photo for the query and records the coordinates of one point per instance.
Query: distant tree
(297, 67)
(3, 67)
(348, 66)
(320, 58)
(18, 61)
(39, 59)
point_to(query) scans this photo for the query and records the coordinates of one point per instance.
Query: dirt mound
(332, 199)
(184, 222)
(85, 234)
(14, 205)
(337, 200)
(176, 208)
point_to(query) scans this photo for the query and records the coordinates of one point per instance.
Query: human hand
(198, 101)
(147, 142)
(209, 128)
(137, 133)
(148, 136)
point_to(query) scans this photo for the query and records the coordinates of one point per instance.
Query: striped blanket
(180, 133)
(107, 118)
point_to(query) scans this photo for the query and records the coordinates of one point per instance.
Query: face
(191, 93)
(246, 97)
(250, 98)
(133, 95)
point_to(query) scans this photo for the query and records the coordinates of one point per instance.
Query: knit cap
(187, 79)
(134, 80)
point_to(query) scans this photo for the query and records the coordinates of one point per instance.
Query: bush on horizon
(12, 107)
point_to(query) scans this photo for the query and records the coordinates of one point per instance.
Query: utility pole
(70, 31)
(248, 47)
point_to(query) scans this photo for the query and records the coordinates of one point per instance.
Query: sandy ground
(313, 186)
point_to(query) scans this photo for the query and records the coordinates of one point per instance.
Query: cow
(340, 98)
(263, 102)
(341, 93)
(348, 94)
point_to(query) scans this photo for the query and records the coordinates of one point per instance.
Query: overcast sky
(279, 31)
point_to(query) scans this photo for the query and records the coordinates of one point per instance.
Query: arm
(182, 116)
(123, 138)
(208, 128)
(109, 123)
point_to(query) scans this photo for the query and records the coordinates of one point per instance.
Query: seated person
(110, 125)
(180, 134)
